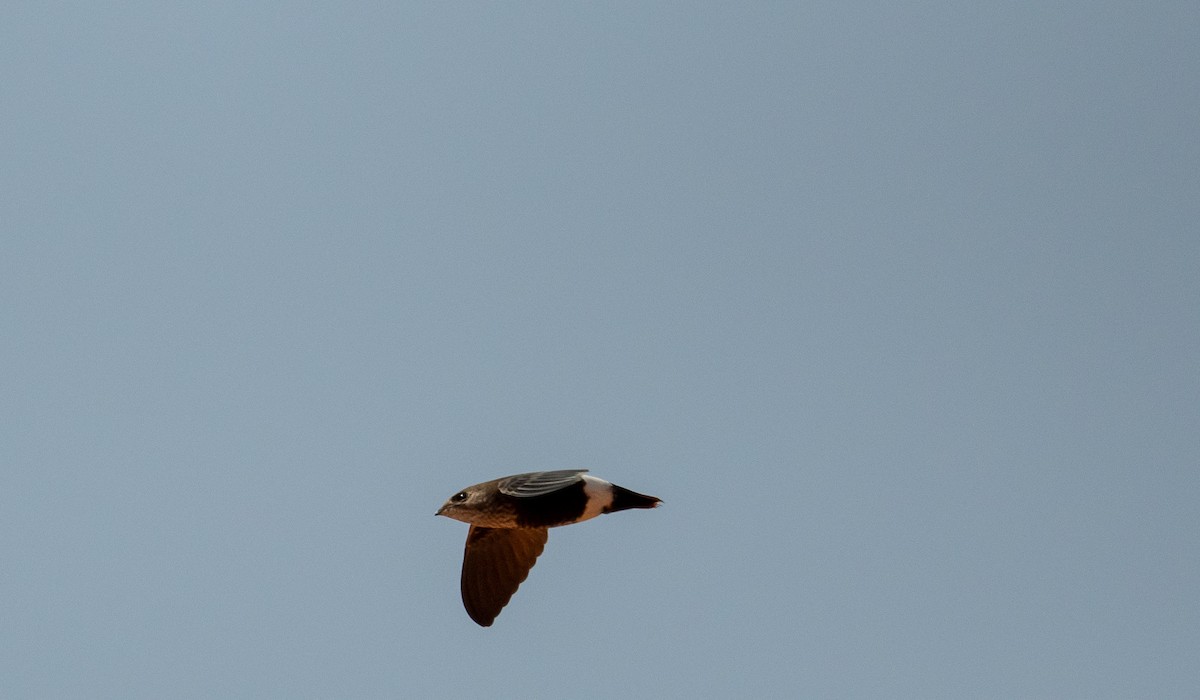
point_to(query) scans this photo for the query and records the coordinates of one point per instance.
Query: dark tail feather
(624, 499)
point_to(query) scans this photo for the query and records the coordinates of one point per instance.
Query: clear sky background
(896, 306)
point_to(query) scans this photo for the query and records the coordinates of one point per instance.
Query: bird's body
(509, 518)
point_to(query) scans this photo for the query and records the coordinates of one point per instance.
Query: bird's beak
(441, 511)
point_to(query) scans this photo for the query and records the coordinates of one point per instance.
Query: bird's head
(463, 505)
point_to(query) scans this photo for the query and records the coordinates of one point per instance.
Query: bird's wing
(539, 483)
(495, 563)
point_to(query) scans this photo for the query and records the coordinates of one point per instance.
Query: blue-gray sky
(896, 306)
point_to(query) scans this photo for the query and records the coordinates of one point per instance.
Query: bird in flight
(509, 518)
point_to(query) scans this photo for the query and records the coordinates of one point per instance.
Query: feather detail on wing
(495, 563)
(539, 483)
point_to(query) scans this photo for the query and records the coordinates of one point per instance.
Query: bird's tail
(624, 499)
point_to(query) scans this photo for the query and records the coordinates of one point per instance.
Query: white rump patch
(599, 497)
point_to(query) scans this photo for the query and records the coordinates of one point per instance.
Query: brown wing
(495, 563)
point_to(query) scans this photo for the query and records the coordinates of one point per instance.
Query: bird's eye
(459, 497)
